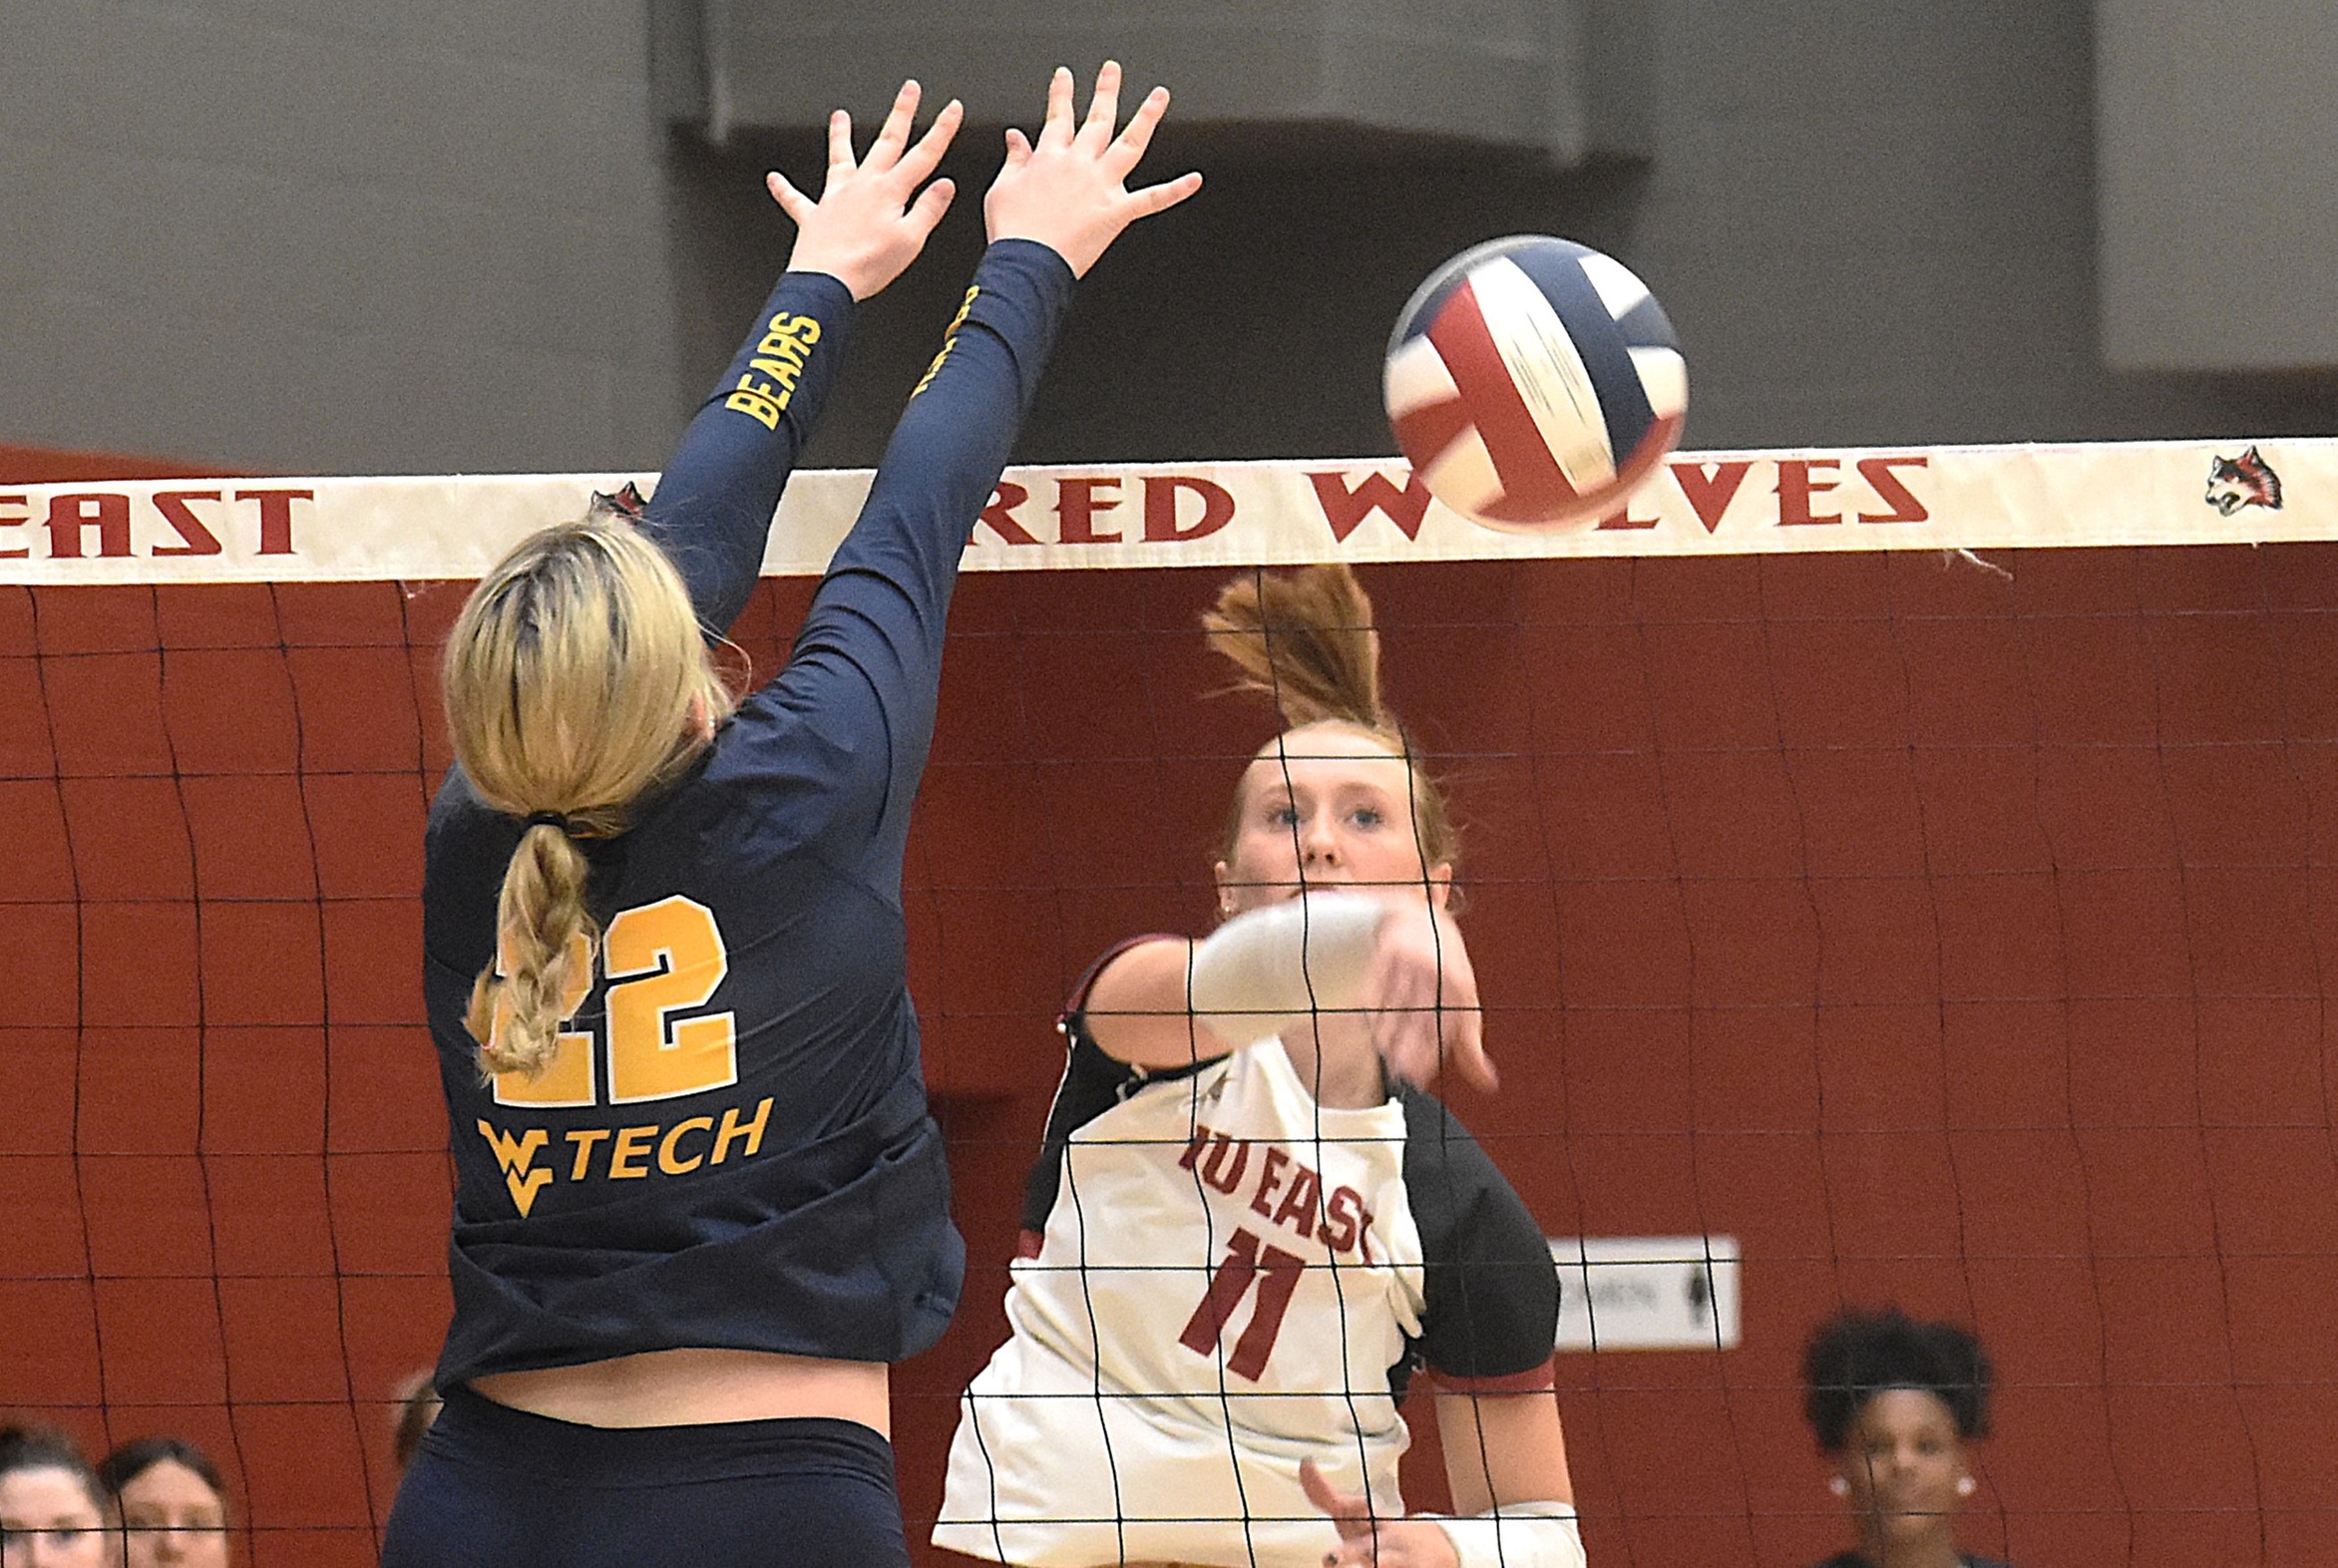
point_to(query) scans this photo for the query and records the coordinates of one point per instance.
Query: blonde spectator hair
(1305, 638)
(577, 679)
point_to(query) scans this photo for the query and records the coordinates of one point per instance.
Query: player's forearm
(1276, 967)
(954, 437)
(885, 599)
(714, 503)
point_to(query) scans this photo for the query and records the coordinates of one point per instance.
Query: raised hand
(1068, 191)
(1421, 996)
(1367, 1542)
(870, 219)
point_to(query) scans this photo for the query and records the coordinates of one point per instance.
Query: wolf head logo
(2246, 481)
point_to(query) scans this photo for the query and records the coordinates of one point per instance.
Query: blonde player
(700, 1205)
(1248, 1231)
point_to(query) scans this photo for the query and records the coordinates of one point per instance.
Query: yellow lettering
(517, 1155)
(629, 1158)
(785, 325)
(949, 342)
(732, 1131)
(760, 409)
(665, 1146)
(778, 349)
(664, 959)
(782, 372)
(584, 1138)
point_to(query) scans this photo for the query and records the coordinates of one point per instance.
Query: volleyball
(1533, 383)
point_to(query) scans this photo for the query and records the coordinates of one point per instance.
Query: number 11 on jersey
(1245, 1261)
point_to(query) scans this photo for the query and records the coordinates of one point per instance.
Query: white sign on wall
(1647, 1293)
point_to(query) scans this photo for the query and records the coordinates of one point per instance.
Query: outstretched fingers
(1103, 106)
(798, 207)
(893, 134)
(873, 218)
(1163, 196)
(927, 211)
(1056, 130)
(840, 145)
(1128, 149)
(923, 159)
(1066, 188)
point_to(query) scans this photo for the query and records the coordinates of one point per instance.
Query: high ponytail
(577, 681)
(1305, 638)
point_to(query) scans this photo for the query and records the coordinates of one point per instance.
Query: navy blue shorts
(500, 1488)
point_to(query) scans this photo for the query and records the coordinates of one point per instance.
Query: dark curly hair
(1855, 1355)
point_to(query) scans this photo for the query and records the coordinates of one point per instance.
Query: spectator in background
(52, 1509)
(1895, 1402)
(418, 1406)
(169, 1504)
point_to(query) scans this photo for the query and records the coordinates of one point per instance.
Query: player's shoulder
(777, 778)
(1434, 1138)
(1461, 1201)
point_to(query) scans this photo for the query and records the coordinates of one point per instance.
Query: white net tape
(1220, 513)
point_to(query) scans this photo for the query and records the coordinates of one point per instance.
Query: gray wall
(2219, 183)
(381, 235)
(333, 234)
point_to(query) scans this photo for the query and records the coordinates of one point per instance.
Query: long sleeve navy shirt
(732, 1146)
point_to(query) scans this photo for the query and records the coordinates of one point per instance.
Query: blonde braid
(577, 679)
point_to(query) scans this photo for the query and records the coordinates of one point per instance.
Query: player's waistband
(474, 1429)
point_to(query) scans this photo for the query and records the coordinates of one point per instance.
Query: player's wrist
(1014, 237)
(859, 275)
(1514, 1535)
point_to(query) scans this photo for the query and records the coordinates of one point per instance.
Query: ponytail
(1305, 638)
(545, 948)
(577, 681)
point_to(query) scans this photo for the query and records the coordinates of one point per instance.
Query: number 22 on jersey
(660, 959)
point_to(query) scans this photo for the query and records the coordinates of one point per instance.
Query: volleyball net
(1905, 872)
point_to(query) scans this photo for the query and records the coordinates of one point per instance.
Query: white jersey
(1225, 1279)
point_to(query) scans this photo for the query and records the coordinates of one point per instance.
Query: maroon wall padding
(1948, 940)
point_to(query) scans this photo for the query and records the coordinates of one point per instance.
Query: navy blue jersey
(731, 1147)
